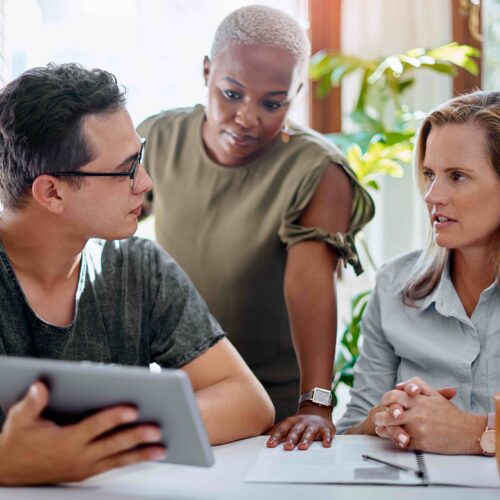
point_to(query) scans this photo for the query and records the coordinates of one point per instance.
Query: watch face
(487, 441)
(322, 397)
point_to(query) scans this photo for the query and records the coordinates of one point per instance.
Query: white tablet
(79, 389)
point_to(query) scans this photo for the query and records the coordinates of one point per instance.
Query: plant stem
(364, 244)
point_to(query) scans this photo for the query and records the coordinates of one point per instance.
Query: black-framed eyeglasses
(130, 173)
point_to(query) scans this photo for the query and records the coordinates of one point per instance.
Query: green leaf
(373, 184)
(441, 67)
(388, 167)
(411, 61)
(354, 157)
(460, 55)
(395, 64)
(323, 88)
(405, 84)
(368, 123)
(340, 72)
(347, 379)
(418, 52)
(363, 92)
(321, 64)
(359, 297)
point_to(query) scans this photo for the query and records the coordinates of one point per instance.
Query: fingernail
(34, 390)
(413, 388)
(396, 413)
(403, 438)
(157, 454)
(152, 435)
(129, 415)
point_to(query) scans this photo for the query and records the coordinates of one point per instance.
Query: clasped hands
(416, 416)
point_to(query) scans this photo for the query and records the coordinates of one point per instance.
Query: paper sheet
(342, 463)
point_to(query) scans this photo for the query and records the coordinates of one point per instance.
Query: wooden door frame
(324, 31)
(464, 81)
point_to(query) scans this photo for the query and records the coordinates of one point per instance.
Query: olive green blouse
(230, 227)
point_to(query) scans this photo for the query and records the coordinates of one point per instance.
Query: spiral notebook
(343, 463)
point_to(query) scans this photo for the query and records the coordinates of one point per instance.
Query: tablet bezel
(79, 388)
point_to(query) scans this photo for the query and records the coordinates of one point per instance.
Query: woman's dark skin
(249, 94)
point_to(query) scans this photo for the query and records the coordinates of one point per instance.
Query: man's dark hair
(41, 117)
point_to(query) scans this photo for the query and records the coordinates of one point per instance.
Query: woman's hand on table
(311, 423)
(416, 416)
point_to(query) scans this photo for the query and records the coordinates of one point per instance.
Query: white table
(226, 480)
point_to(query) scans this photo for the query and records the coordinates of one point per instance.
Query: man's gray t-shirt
(134, 306)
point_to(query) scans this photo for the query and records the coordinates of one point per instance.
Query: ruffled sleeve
(363, 210)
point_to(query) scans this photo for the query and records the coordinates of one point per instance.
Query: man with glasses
(130, 173)
(75, 286)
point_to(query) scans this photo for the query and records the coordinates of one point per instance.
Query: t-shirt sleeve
(181, 327)
(291, 232)
(375, 371)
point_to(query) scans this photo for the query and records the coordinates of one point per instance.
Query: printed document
(343, 463)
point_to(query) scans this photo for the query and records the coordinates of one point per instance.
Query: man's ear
(47, 191)
(206, 69)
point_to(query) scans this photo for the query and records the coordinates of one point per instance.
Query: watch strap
(488, 437)
(491, 421)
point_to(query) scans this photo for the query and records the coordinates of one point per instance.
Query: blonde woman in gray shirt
(434, 318)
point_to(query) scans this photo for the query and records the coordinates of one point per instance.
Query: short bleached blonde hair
(263, 26)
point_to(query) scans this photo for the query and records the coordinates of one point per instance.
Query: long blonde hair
(483, 109)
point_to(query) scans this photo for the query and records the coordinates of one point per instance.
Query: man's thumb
(33, 403)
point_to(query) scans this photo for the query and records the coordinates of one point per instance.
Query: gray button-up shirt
(435, 340)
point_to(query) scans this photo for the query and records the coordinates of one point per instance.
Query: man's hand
(416, 416)
(310, 423)
(37, 451)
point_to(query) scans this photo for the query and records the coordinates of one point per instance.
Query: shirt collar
(440, 291)
(445, 297)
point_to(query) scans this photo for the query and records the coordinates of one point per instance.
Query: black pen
(417, 472)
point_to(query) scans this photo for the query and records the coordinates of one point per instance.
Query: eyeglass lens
(135, 167)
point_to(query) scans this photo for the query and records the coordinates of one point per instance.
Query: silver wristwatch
(319, 396)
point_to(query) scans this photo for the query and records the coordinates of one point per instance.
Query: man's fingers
(124, 440)
(32, 404)
(127, 458)
(104, 421)
(448, 392)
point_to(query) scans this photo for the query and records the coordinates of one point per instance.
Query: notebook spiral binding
(419, 456)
